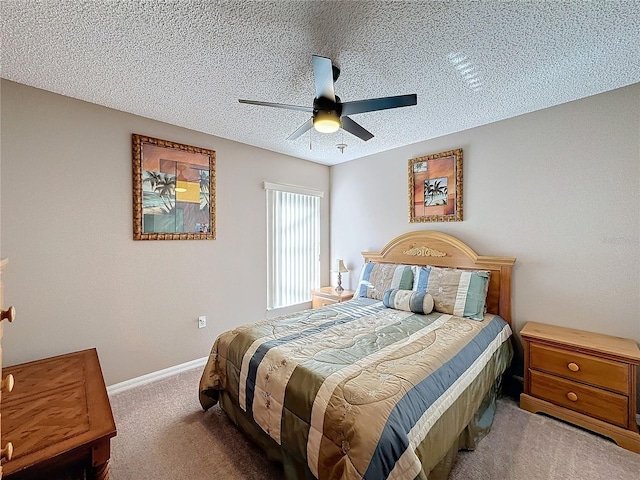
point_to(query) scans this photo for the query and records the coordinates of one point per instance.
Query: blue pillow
(420, 278)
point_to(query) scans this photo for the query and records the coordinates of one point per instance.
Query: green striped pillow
(377, 278)
(459, 292)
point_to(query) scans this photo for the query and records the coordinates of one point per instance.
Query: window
(293, 244)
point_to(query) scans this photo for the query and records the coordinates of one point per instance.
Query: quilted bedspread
(356, 390)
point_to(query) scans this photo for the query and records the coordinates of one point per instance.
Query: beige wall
(76, 277)
(559, 189)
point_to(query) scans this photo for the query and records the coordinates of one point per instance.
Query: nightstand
(328, 296)
(585, 378)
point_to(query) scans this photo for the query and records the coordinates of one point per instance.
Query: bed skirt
(297, 469)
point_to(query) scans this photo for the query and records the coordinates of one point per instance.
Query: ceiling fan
(328, 112)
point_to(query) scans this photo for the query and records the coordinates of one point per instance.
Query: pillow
(408, 300)
(456, 292)
(377, 278)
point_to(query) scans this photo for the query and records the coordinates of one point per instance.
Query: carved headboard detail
(424, 252)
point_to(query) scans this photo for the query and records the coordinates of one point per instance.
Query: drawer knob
(572, 396)
(7, 452)
(574, 367)
(8, 314)
(7, 383)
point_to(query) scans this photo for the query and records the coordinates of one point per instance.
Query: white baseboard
(155, 376)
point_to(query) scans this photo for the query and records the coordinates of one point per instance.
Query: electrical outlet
(202, 321)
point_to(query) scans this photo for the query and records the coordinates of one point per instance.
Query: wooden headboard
(426, 247)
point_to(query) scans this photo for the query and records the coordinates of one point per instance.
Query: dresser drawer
(607, 406)
(595, 371)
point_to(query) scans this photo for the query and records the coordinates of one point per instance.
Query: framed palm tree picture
(435, 187)
(173, 190)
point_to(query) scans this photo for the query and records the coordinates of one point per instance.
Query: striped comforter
(356, 390)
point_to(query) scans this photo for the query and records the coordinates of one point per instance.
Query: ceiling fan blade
(304, 128)
(356, 129)
(278, 105)
(373, 104)
(323, 76)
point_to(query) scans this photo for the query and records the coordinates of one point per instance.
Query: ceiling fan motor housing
(327, 105)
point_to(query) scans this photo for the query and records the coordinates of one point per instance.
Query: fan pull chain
(341, 146)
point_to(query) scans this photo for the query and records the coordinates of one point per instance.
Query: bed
(390, 384)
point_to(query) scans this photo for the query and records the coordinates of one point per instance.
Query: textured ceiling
(188, 62)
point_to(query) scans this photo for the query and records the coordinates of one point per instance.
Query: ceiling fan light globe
(326, 122)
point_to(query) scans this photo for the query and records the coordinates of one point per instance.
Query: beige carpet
(164, 434)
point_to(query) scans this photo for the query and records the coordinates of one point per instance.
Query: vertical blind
(293, 244)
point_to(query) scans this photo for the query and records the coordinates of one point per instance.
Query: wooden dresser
(59, 419)
(328, 296)
(585, 378)
(7, 382)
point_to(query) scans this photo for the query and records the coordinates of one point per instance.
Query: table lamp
(340, 268)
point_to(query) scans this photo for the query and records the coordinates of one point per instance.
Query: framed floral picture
(435, 187)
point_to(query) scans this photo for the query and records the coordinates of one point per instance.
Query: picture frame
(173, 190)
(435, 187)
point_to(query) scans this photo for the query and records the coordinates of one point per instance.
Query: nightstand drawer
(595, 371)
(318, 302)
(328, 296)
(607, 406)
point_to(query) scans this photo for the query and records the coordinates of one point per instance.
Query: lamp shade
(339, 267)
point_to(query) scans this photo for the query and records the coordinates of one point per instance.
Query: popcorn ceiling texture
(188, 62)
